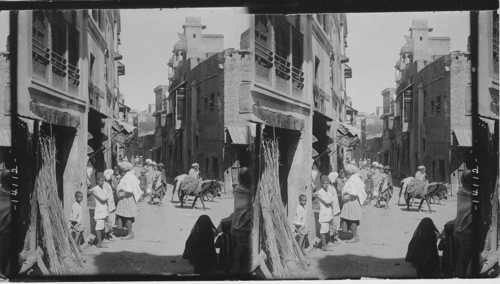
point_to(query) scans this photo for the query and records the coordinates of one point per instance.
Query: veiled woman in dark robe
(200, 248)
(423, 251)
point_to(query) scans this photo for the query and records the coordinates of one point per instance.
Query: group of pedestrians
(336, 201)
(112, 198)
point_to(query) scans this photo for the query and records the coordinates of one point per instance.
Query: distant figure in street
(385, 188)
(129, 193)
(195, 170)
(422, 250)
(101, 209)
(226, 244)
(335, 205)
(159, 184)
(354, 196)
(420, 174)
(111, 220)
(143, 184)
(76, 218)
(369, 187)
(325, 212)
(200, 247)
(300, 223)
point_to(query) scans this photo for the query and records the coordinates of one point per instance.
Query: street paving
(160, 236)
(385, 235)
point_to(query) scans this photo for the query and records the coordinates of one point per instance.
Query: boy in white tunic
(76, 219)
(300, 222)
(325, 212)
(101, 209)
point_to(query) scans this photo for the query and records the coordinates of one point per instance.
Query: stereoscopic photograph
(217, 143)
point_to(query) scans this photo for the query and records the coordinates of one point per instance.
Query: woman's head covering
(194, 165)
(333, 176)
(108, 173)
(421, 168)
(160, 165)
(351, 169)
(422, 249)
(126, 166)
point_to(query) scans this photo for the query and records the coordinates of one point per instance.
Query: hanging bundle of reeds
(61, 251)
(285, 256)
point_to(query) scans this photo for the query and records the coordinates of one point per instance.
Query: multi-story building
(160, 114)
(387, 125)
(67, 83)
(288, 77)
(432, 124)
(373, 148)
(143, 124)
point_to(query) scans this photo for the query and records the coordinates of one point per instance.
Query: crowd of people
(112, 198)
(337, 200)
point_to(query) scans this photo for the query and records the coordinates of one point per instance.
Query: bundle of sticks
(284, 254)
(61, 252)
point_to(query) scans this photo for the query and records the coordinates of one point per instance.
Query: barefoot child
(76, 219)
(300, 222)
(101, 209)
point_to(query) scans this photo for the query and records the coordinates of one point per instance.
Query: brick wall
(209, 123)
(451, 87)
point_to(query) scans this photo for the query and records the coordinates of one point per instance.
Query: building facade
(68, 86)
(387, 126)
(432, 123)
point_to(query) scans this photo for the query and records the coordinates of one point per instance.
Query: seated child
(226, 243)
(75, 219)
(300, 223)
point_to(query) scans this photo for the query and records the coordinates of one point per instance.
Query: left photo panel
(110, 187)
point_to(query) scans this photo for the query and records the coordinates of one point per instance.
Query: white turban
(148, 161)
(333, 176)
(108, 173)
(126, 166)
(351, 169)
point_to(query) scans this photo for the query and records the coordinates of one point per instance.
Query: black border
(265, 7)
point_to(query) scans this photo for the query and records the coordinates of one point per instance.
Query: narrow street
(385, 235)
(160, 236)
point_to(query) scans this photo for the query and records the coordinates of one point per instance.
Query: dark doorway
(287, 145)
(64, 137)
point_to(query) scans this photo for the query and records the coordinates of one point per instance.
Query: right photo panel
(378, 141)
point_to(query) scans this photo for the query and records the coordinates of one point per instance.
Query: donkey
(212, 187)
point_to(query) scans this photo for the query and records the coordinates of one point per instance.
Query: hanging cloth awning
(314, 153)
(239, 134)
(314, 139)
(464, 137)
(346, 129)
(89, 150)
(5, 137)
(123, 126)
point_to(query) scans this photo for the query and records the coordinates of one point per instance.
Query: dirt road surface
(160, 237)
(385, 235)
